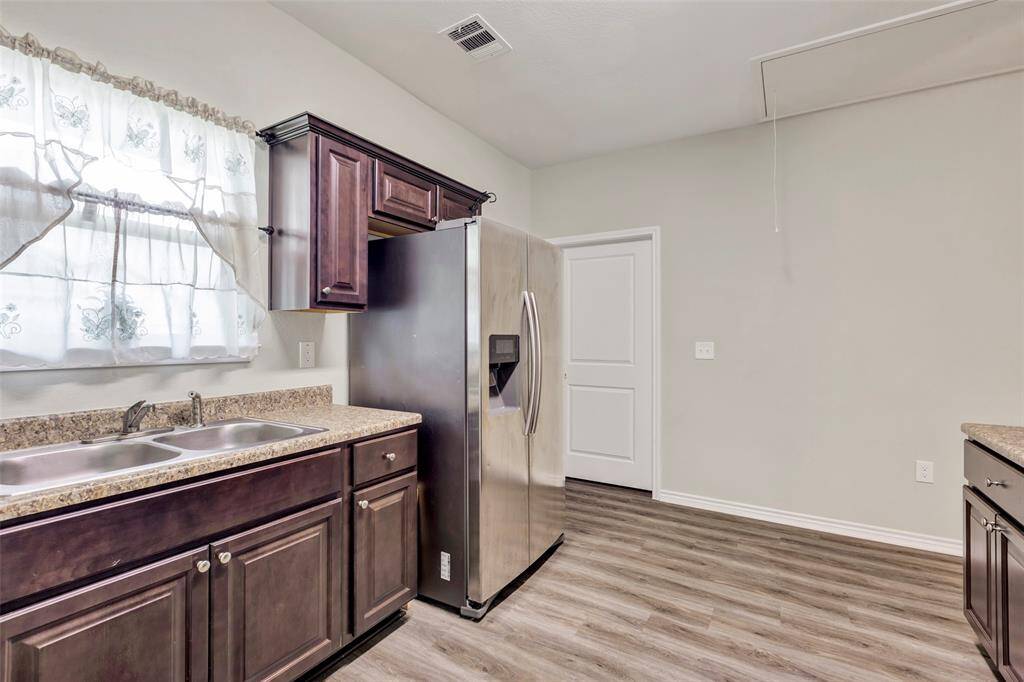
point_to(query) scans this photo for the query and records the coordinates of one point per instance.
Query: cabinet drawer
(402, 195)
(999, 481)
(56, 551)
(373, 459)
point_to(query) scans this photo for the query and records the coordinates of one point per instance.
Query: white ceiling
(585, 78)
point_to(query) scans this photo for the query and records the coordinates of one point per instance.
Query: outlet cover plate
(704, 350)
(924, 471)
(307, 354)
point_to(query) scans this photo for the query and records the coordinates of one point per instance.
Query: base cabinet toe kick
(993, 515)
(257, 574)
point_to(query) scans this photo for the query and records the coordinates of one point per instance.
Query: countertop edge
(1004, 439)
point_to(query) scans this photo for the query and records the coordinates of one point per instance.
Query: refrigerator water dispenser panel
(502, 361)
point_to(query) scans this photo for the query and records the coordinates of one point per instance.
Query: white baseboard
(903, 538)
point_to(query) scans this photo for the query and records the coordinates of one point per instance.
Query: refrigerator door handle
(538, 362)
(531, 364)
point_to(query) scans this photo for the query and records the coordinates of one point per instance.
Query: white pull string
(775, 160)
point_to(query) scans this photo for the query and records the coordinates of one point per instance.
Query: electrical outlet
(925, 472)
(307, 354)
(704, 350)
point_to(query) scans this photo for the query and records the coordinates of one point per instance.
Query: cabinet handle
(224, 557)
(326, 291)
(999, 484)
(363, 504)
(202, 565)
(390, 457)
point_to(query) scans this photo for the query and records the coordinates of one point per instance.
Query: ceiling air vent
(477, 38)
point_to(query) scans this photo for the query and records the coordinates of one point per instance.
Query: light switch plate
(307, 354)
(704, 350)
(924, 471)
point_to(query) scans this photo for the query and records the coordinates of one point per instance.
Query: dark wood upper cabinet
(385, 541)
(400, 194)
(148, 624)
(980, 569)
(341, 225)
(455, 205)
(276, 596)
(329, 188)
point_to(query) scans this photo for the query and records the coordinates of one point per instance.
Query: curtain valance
(132, 208)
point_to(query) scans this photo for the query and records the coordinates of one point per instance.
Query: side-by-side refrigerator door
(499, 475)
(547, 473)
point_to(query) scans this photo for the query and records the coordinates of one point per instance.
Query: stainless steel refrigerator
(463, 325)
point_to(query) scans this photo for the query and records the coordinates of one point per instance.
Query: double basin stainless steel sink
(51, 466)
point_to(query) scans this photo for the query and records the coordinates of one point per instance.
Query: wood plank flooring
(642, 590)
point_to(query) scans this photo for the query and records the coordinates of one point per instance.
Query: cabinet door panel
(402, 195)
(277, 601)
(385, 541)
(455, 205)
(1010, 600)
(341, 225)
(979, 569)
(148, 624)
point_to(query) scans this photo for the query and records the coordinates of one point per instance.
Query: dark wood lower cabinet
(980, 569)
(994, 558)
(148, 624)
(247, 594)
(1010, 600)
(276, 596)
(384, 535)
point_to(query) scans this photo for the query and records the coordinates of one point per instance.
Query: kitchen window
(127, 220)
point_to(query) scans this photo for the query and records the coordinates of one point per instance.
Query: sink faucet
(197, 409)
(133, 416)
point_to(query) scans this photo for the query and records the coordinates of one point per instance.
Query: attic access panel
(955, 42)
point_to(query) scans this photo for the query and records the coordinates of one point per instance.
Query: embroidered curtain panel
(127, 220)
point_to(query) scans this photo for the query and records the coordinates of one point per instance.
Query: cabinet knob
(390, 457)
(999, 484)
(224, 557)
(363, 504)
(326, 291)
(202, 565)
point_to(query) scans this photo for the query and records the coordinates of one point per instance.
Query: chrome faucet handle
(134, 415)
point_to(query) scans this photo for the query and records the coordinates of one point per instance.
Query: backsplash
(25, 432)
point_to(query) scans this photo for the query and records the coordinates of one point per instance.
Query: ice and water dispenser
(502, 360)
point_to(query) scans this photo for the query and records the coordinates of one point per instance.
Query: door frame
(638, 234)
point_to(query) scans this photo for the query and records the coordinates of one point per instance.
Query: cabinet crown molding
(306, 122)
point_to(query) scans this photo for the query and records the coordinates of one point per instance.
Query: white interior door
(609, 340)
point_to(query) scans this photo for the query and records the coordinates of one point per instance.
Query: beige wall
(887, 310)
(252, 60)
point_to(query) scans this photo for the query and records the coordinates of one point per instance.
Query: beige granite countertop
(1008, 441)
(342, 423)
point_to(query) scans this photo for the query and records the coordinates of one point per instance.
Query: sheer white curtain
(128, 220)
